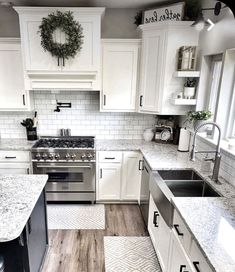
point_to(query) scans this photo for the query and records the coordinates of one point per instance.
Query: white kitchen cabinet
(13, 95)
(131, 176)
(109, 181)
(118, 176)
(160, 44)
(46, 71)
(178, 260)
(159, 233)
(15, 162)
(120, 60)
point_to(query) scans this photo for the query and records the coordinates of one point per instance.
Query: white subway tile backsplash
(84, 118)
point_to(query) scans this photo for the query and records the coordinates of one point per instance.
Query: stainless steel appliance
(69, 163)
(144, 191)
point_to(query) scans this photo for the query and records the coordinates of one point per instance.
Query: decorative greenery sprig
(190, 83)
(72, 29)
(199, 115)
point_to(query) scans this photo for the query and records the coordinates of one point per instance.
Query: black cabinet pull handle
(9, 157)
(63, 61)
(109, 158)
(23, 99)
(155, 216)
(196, 266)
(141, 167)
(182, 267)
(177, 230)
(58, 61)
(104, 99)
(101, 174)
(141, 101)
(27, 171)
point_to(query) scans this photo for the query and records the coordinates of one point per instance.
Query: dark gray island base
(27, 252)
(23, 223)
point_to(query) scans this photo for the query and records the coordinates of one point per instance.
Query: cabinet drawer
(14, 156)
(110, 156)
(198, 260)
(183, 233)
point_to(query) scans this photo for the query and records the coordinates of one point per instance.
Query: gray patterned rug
(130, 254)
(76, 216)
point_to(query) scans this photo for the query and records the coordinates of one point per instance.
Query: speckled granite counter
(18, 196)
(212, 223)
(211, 231)
(16, 144)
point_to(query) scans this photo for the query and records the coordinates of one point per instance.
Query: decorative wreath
(73, 30)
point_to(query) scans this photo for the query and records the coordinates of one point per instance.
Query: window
(221, 99)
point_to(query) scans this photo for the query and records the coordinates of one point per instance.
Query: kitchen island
(23, 222)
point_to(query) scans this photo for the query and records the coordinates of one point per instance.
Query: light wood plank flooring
(83, 250)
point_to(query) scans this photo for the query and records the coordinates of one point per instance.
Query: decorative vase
(189, 92)
(148, 134)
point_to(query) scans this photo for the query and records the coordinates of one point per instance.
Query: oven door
(68, 177)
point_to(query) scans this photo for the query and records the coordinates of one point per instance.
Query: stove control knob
(83, 157)
(44, 156)
(67, 156)
(57, 156)
(38, 157)
(50, 156)
(73, 156)
(89, 157)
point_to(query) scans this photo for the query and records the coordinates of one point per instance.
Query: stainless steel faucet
(217, 158)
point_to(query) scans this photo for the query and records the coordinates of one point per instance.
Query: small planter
(189, 92)
(198, 123)
(31, 134)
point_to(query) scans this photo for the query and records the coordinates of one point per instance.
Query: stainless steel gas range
(69, 163)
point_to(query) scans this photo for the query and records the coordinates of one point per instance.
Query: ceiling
(91, 3)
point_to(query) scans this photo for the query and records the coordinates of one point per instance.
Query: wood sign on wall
(168, 13)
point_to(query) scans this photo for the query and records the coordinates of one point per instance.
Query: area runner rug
(76, 216)
(130, 254)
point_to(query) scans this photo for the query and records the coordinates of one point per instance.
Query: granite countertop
(18, 196)
(16, 144)
(212, 223)
(217, 215)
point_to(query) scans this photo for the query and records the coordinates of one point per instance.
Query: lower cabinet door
(131, 176)
(178, 261)
(109, 181)
(160, 234)
(15, 168)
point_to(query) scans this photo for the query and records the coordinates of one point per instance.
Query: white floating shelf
(187, 74)
(185, 102)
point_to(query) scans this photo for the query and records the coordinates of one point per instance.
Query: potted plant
(189, 88)
(199, 117)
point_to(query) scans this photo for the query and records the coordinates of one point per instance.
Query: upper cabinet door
(120, 74)
(12, 90)
(151, 75)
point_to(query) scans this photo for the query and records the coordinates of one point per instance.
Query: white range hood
(42, 71)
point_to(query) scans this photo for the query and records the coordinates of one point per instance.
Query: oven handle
(62, 166)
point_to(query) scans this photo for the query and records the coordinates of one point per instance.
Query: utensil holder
(31, 134)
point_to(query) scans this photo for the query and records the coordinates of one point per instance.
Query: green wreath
(73, 30)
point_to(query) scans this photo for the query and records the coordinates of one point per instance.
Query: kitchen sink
(179, 175)
(191, 189)
(166, 184)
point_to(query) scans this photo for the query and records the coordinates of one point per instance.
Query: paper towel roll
(184, 140)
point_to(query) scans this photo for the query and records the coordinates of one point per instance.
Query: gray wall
(117, 23)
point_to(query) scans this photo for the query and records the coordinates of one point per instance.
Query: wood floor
(83, 250)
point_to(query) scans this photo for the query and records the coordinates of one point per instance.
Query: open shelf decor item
(64, 22)
(187, 58)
